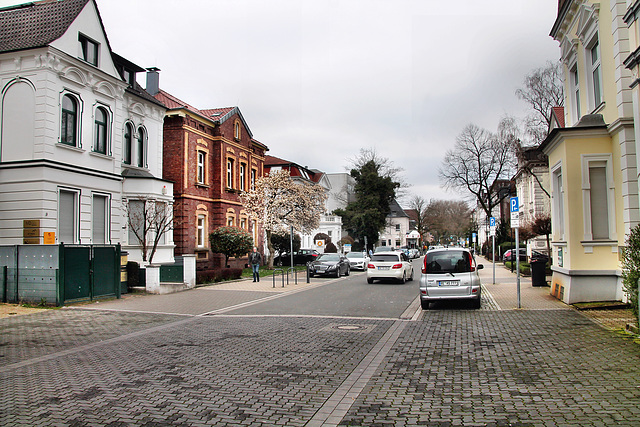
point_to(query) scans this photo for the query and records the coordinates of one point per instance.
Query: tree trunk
(271, 252)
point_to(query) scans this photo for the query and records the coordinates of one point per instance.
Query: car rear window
(385, 257)
(355, 255)
(448, 262)
(329, 257)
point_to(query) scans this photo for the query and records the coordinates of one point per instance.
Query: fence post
(5, 271)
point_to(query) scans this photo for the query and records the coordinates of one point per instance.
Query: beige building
(592, 161)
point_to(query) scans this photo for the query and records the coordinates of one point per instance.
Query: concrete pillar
(153, 279)
(189, 272)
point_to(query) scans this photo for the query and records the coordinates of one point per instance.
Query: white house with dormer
(80, 140)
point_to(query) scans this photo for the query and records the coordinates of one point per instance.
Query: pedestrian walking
(255, 259)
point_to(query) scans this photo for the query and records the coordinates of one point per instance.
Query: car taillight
(424, 265)
(371, 266)
(397, 266)
(471, 267)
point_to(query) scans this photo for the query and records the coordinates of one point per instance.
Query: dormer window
(88, 50)
(128, 76)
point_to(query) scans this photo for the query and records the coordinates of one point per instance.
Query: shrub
(133, 274)
(231, 241)
(207, 276)
(330, 248)
(631, 267)
(231, 273)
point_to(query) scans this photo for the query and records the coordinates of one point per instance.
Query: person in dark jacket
(255, 259)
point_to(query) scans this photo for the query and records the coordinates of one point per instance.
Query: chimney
(153, 80)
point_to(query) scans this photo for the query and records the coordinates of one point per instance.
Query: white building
(79, 136)
(397, 229)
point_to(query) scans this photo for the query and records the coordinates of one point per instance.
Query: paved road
(212, 357)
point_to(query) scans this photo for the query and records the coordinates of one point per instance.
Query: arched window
(236, 130)
(140, 151)
(100, 140)
(69, 120)
(128, 139)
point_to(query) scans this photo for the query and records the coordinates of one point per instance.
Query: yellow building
(592, 161)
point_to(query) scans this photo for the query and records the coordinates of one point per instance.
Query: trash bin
(538, 272)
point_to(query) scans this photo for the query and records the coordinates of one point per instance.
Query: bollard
(308, 279)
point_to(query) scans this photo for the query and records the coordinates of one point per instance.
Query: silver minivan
(449, 273)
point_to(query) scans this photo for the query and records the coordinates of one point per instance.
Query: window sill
(201, 185)
(102, 156)
(599, 108)
(124, 165)
(70, 147)
(231, 190)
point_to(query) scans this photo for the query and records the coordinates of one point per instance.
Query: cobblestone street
(115, 364)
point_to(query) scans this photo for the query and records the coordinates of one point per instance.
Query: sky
(318, 80)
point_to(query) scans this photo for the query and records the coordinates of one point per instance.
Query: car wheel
(476, 304)
(311, 274)
(404, 278)
(348, 271)
(338, 273)
(369, 280)
(424, 304)
(411, 277)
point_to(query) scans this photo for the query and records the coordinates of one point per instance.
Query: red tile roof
(559, 113)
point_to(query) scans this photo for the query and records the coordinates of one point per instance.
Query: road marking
(492, 300)
(336, 407)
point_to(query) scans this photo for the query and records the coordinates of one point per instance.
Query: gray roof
(396, 211)
(36, 24)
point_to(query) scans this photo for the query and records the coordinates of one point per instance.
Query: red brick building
(211, 157)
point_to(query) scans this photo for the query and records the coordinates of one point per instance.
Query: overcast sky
(317, 80)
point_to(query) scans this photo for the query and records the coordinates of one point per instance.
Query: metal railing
(282, 273)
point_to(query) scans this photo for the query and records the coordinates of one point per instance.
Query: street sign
(515, 212)
(492, 222)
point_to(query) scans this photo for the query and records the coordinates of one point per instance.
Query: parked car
(509, 255)
(414, 253)
(389, 265)
(449, 273)
(358, 260)
(330, 264)
(383, 249)
(538, 256)
(301, 257)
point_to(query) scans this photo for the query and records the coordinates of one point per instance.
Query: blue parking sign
(492, 222)
(515, 207)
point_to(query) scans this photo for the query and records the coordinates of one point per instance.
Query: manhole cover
(348, 327)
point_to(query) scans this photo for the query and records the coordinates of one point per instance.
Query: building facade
(592, 160)
(80, 138)
(211, 156)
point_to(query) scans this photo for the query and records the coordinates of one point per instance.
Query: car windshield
(385, 257)
(448, 262)
(351, 255)
(329, 257)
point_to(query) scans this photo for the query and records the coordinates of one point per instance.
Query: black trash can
(538, 272)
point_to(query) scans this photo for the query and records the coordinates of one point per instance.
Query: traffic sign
(515, 212)
(492, 222)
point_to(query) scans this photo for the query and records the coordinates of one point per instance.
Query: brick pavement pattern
(156, 360)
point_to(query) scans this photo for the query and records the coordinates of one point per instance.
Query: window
(136, 220)
(243, 223)
(161, 220)
(128, 139)
(88, 50)
(596, 83)
(557, 202)
(67, 216)
(254, 173)
(575, 89)
(100, 225)
(598, 197)
(243, 169)
(599, 211)
(236, 130)
(230, 221)
(200, 235)
(69, 120)
(201, 163)
(397, 227)
(100, 139)
(229, 173)
(140, 151)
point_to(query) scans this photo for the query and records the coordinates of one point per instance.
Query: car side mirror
(480, 267)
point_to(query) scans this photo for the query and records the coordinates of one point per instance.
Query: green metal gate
(90, 272)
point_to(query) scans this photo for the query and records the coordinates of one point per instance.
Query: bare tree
(543, 89)
(443, 218)
(419, 205)
(148, 220)
(477, 162)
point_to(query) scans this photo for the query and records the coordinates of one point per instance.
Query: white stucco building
(79, 137)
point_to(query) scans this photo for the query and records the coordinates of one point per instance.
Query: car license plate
(383, 268)
(448, 283)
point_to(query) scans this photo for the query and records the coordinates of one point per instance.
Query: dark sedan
(300, 257)
(330, 265)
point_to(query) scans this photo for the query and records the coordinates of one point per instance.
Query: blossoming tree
(278, 203)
